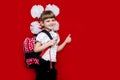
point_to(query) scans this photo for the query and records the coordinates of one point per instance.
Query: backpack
(32, 58)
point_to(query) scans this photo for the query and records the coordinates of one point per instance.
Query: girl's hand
(52, 42)
(68, 39)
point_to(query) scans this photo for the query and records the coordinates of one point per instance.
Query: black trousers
(43, 71)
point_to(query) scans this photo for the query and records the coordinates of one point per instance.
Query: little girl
(46, 70)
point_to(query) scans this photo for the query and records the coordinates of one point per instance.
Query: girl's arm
(67, 40)
(39, 47)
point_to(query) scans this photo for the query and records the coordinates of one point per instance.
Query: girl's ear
(41, 23)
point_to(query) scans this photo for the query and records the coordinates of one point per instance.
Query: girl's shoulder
(54, 33)
(41, 34)
(57, 33)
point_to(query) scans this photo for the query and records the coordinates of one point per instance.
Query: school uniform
(46, 70)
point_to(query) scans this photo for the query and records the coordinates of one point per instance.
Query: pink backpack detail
(29, 44)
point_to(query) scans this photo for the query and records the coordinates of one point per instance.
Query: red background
(93, 53)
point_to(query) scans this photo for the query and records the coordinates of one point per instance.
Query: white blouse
(43, 39)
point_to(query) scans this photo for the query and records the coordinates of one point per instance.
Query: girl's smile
(49, 23)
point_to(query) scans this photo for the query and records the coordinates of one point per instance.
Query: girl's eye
(53, 20)
(48, 21)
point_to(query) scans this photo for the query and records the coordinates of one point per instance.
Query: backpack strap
(46, 32)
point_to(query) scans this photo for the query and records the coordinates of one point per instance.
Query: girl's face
(49, 23)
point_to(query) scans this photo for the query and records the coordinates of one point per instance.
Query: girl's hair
(46, 14)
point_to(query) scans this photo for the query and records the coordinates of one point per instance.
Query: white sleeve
(40, 38)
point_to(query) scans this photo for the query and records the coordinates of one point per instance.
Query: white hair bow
(35, 27)
(53, 8)
(36, 12)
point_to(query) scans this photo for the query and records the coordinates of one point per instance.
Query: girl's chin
(51, 28)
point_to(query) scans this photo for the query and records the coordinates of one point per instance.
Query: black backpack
(32, 59)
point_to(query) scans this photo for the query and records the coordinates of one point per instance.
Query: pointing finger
(69, 35)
